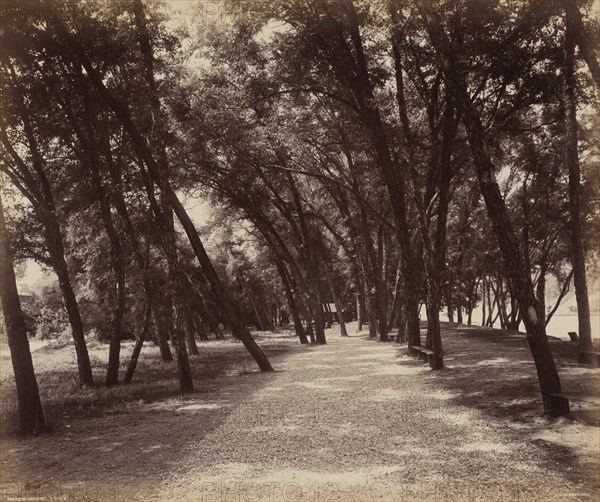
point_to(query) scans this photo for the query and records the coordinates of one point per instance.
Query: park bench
(558, 397)
(422, 352)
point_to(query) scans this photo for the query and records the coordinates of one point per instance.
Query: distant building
(330, 313)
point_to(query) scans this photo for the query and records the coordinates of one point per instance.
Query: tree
(140, 145)
(519, 276)
(572, 161)
(31, 177)
(31, 415)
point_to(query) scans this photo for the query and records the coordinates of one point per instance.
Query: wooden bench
(590, 357)
(422, 352)
(573, 336)
(558, 398)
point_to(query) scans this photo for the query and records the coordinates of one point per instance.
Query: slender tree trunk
(381, 287)
(319, 317)
(283, 274)
(401, 335)
(483, 299)
(490, 304)
(66, 287)
(336, 301)
(572, 160)
(190, 332)
(248, 294)
(363, 91)
(370, 306)
(139, 343)
(359, 321)
(578, 34)
(459, 290)
(144, 152)
(163, 337)
(541, 292)
(31, 415)
(47, 214)
(449, 303)
(393, 317)
(519, 275)
(90, 146)
(564, 290)
(433, 250)
(361, 308)
(500, 303)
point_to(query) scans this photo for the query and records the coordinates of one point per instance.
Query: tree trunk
(473, 287)
(46, 212)
(31, 415)
(449, 303)
(433, 251)
(144, 152)
(519, 275)
(139, 343)
(578, 34)
(572, 160)
(483, 299)
(360, 307)
(248, 294)
(56, 248)
(564, 290)
(163, 337)
(393, 317)
(283, 274)
(541, 292)
(336, 302)
(362, 89)
(500, 303)
(319, 317)
(381, 287)
(88, 141)
(370, 308)
(190, 332)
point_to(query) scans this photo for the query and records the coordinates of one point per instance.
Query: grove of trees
(375, 155)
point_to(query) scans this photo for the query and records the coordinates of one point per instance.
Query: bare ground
(352, 420)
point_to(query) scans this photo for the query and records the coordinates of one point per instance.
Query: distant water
(559, 325)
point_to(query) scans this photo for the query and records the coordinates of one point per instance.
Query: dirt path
(354, 420)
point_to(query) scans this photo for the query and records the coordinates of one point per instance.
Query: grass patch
(64, 398)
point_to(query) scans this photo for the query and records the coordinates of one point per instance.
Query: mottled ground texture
(354, 420)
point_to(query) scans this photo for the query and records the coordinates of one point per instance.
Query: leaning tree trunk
(381, 286)
(572, 160)
(360, 308)
(61, 269)
(519, 275)
(139, 343)
(47, 215)
(289, 294)
(362, 89)
(162, 333)
(31, 415)
(483, 299)
(578, 34)
(336, 301)
(190, 331)
(142, 149)
(88, 141)
(160, 173)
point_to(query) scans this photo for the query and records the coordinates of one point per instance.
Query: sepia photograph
(300, 250)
